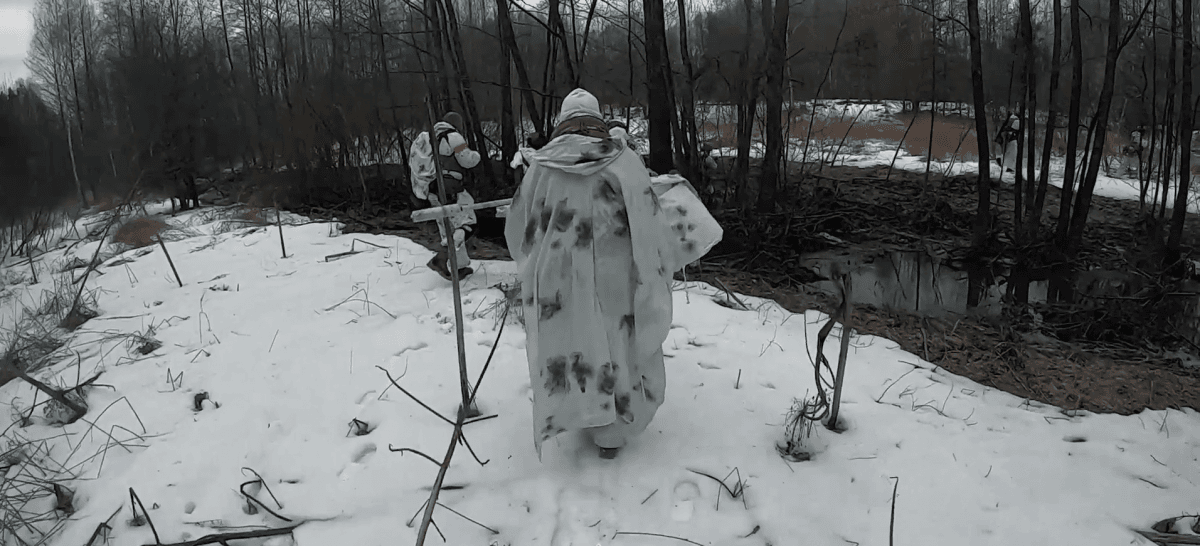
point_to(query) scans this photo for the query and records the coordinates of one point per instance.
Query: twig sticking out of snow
(732, 297)
(503, 320)
(892, 522)
(845, 342)
(619, 533)
(259, 480)
(137, 522)
(459, 514)
(169, 261)
(102, 527)
(279, 224)
(415, 399)
(737, 492)
(225, 538)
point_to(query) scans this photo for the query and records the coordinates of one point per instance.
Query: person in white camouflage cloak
(595, 256)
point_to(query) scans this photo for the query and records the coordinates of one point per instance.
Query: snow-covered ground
(290, 350)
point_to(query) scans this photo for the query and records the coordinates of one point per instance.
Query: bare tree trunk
(1169, 148)
(1179, 215)
(249, 30)
(74, 170)
(775, 26)
(508, 135)
(303, 44)
(1030, 124)
(228, 50)
(687, 103)
(464, 81)
(514, 51)
(983, 210)
(559, 31)
(283, 70)
(262, 38)
(1083, 201)
(1039, 200)
(1068, 181)
(1019, 174)
(657, 62)
(932, 96)
(747, 105)
(1149, 169)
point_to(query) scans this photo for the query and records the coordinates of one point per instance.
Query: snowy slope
(289, 349)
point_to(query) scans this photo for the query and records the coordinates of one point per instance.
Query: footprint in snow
(708, 366)
(682, 499)
(363, 453)
(584, 518)
(363, 398)
(357, 460)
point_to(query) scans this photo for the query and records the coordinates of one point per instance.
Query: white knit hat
(579, 103)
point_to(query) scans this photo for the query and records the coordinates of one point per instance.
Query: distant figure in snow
(1006, 139)
(1131, 154)
(456, 159)
(595, 256)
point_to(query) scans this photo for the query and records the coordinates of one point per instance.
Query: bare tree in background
(1179, 214)
(659, 111)
(775, 27)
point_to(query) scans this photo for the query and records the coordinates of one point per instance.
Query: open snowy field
(290, 352)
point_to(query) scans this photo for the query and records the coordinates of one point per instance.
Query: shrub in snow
(58, 413)
(797, 429)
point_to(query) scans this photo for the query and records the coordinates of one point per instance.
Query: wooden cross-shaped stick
(446, 211)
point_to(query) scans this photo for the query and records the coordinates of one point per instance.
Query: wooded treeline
(162, 91)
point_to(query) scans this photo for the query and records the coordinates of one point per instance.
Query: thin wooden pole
(279, 224)
(170, 261)
(457, 289)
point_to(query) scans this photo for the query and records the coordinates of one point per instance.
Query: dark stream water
(910, 281)
(918, 283)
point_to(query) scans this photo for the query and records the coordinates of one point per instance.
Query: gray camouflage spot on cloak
(583, 233)
(691, 227)
(550, 307)
(606, 192)
(562, 216)
(682, 210)
(689, 246)
(544, 217)
(608, 378)
(557, 382)
(621, 219)
(581, 370)
(627, 323)
(530, 234)
(551, 429)
(623, 408)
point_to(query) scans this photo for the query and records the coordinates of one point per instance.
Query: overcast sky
(16, 29)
